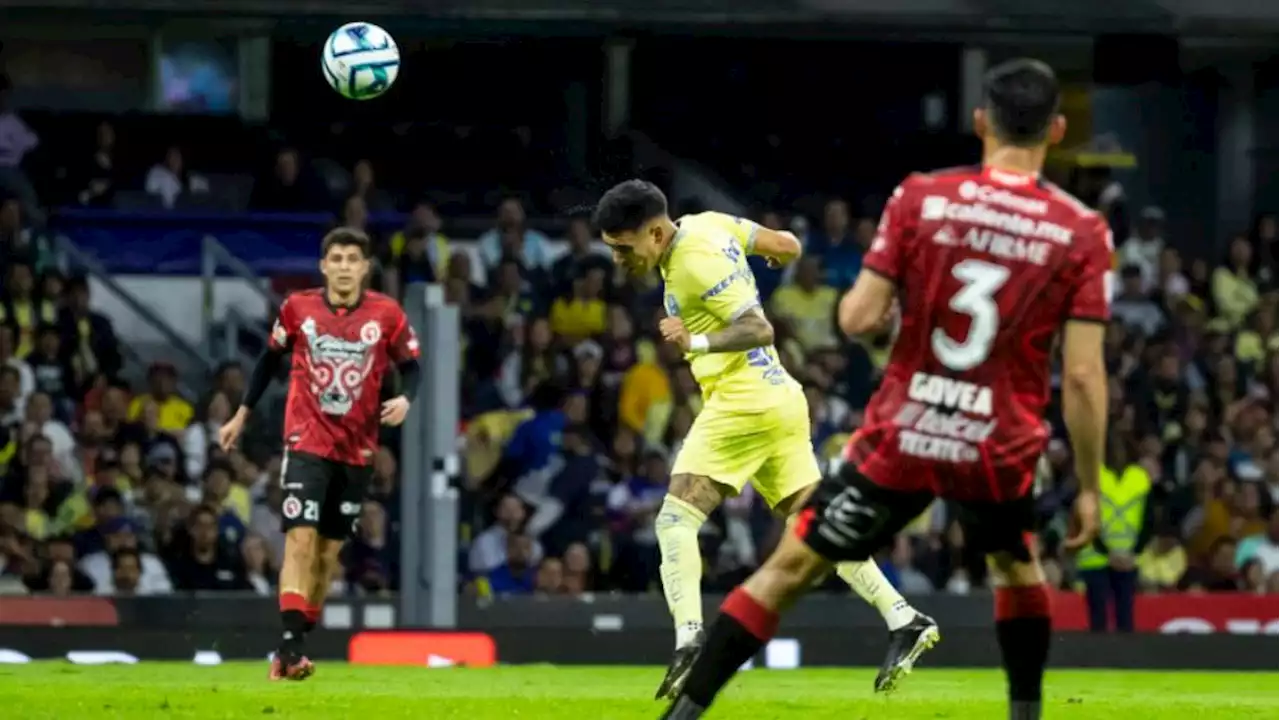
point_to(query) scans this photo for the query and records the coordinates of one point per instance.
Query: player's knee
(696, 491)
(301, 542)
(676, 517)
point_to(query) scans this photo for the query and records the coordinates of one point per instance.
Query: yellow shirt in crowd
(175, 413)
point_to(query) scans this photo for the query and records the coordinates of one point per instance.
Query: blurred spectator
(511, 298)
(12, 404)
(1219, 575)
(581, 314)
(1163, 562)
(22, 308)
(288, 188)
(489, 549)
(200, 560)
(52, 370)
(424, 224)
(808, 306)
(86, 335)
(18, 241)
(369, 557)
(119, 535)
(511, 237)
(173, 412)
(1235, 287)
(1144, 248)
(517, 574)
(1262, 547)
(202, 433)
(901, 572)
(365, 186)
(98, 176)
(259, 570)
(1171, 284)
(581, 258)
(1133, 306)
(533, 362)
(26, 380)
(836, 245)
(126, 573)
(170, 179)
(645, 394)
(550, 577)
(16, 140)
(40, 415)
(578, 570)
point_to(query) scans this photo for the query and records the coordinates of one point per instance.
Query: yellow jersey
(708, 286)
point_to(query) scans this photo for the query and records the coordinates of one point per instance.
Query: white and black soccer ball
(360, 60)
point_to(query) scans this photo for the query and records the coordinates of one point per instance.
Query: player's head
(633, 221)
(1020, 106)
(344, 260)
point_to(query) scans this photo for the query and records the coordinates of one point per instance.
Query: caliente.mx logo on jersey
(339, 367)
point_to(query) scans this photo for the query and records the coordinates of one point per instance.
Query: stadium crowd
(573, 412)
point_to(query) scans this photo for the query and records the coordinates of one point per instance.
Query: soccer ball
(360, 60)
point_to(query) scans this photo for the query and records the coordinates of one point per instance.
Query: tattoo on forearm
(751, 330)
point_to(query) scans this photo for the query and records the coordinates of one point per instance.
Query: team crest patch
(370, 333)
(413, 341)
(291, 507)
(673, 307)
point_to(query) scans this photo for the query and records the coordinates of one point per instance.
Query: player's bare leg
(690, 499)
(1023, 629)
(297, 578)
(911, 632)
(748, 619)
(327, 566)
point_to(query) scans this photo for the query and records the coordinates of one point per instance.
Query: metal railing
(213, 257)
(77, 258)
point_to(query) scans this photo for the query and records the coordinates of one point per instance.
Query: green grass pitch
(341, 692)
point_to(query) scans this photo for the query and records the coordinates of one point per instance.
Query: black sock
(295, 629)
(1024, 652)
(729, 645)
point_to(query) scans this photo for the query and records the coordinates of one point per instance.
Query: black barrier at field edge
(959, 648)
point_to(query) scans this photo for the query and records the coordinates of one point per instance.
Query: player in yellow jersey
(754, 424)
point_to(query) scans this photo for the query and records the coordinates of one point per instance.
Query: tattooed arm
(751, 330)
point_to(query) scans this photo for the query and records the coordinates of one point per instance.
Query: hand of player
(1086, 510)
(394, 410)
(229, 433)
(674, 331)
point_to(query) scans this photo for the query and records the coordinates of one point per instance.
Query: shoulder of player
(1070, 202)
(382, 303)
(918, 184)
(303, 298)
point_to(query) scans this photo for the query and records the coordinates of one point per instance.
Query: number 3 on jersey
(980, 281)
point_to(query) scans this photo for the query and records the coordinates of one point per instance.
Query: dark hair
(629, 205)
(346, 237)
(1021, 98)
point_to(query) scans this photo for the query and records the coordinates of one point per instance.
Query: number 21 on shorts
(976, 298)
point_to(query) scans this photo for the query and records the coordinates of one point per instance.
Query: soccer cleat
(678, 670)
(906, 645)
(299, 668)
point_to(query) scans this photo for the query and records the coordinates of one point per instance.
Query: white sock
(871, 585)
(677, 527)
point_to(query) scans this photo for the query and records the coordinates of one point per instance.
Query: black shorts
(848, 517)
(322, 494)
